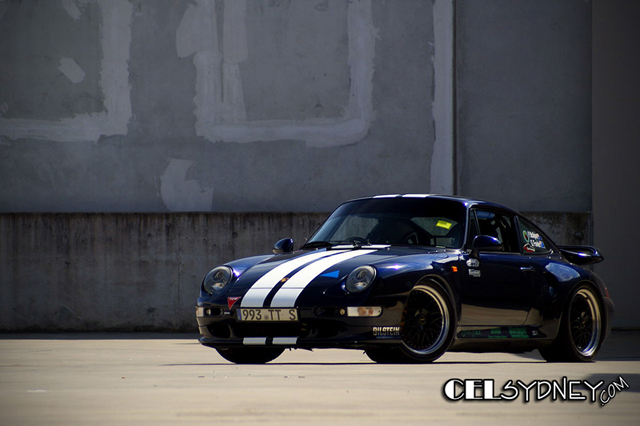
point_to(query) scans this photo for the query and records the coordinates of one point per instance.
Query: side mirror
(581, 255)
(484, 243)
(285, 245)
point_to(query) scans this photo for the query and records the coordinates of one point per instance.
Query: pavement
(146, 378)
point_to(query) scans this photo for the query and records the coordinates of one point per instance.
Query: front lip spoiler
(349, 342)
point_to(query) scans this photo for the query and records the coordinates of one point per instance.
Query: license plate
(268, 314)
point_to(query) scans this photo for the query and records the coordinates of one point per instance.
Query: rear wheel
(250, 355)
(428, 323)
(581, 329)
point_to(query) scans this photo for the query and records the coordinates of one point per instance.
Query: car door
(545, 259)
(498, 287)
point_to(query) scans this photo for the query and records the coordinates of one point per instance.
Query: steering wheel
(417, 235)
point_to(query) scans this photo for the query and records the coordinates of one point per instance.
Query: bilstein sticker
(386, 331)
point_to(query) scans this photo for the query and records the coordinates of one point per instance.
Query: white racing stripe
(255, 296)
(285, 340)
(254, 341)
(415, 196)
(289, 292)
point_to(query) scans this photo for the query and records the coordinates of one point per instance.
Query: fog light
(364, 311)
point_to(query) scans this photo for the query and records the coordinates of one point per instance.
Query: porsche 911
(406, 278)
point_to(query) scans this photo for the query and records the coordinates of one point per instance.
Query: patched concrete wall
(290, 105)
(219, 105)
(96, 272)
(280, 105)
(132, 272)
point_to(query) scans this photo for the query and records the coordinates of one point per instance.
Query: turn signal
(364, 311)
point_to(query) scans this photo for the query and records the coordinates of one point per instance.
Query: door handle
(527, 269)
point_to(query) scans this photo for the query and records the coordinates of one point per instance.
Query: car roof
(467, 201)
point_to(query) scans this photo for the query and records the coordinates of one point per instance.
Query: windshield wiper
(318, 244)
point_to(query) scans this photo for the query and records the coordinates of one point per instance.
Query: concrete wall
(97, 272)
(524, 102)
(616, 150)
(258, 105)
(163, 106)
(279, 105)
(91, 272)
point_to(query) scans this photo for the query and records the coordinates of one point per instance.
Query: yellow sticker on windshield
(443, 224)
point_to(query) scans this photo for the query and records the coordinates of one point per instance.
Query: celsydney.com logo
(537, 390)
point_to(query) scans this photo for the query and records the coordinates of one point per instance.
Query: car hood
(320, 269)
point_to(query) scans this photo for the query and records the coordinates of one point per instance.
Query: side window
(532, 241)
(499, 226)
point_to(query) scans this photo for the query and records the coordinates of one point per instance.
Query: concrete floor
(68, 379)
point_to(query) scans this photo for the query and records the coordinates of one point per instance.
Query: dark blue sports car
(406, 278)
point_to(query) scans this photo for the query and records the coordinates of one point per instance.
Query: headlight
(360, 278)
(217, 279)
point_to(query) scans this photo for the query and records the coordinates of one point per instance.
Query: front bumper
(317, 327)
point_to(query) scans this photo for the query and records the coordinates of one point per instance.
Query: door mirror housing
(484, 243)
(285, 245)
(581, 255)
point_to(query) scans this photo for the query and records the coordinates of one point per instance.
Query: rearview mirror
(484, 243)
(285, 245)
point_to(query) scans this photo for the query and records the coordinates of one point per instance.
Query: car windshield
(396, 221)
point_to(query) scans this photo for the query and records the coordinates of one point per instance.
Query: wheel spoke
(584, 322)
(424, 321)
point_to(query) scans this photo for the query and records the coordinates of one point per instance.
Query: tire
(250, 355)
(581, 330)
(428, 323)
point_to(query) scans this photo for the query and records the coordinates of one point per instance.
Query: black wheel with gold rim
(581, 329)
(428, 323)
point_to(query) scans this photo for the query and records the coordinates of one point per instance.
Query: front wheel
(250, 355)
(428, 323)
(581, 329)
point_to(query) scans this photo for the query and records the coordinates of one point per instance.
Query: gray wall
(127, 271)
(142, 271)
(616, 151)
(524, 102)
(111, 105)
(275, 105)
(294, 106)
